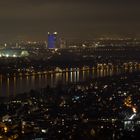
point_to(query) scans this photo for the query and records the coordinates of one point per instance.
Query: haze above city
(73, 19)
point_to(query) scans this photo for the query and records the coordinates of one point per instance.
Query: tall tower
(52, 40)
(62, 43)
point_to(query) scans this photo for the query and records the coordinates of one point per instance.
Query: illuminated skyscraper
(52, 40)
(62, 43)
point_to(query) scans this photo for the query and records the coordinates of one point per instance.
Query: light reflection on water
(14, 85)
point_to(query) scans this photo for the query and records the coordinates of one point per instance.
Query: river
(13, 85)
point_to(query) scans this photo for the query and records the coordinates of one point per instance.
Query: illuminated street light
(7, 55)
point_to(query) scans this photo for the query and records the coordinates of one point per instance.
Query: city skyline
(32, 19)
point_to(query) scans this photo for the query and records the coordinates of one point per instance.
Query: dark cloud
(72, 18)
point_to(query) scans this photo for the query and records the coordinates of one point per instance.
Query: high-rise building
(62, 43)
(52, 40)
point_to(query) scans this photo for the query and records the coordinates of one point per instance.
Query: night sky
(73, 19)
